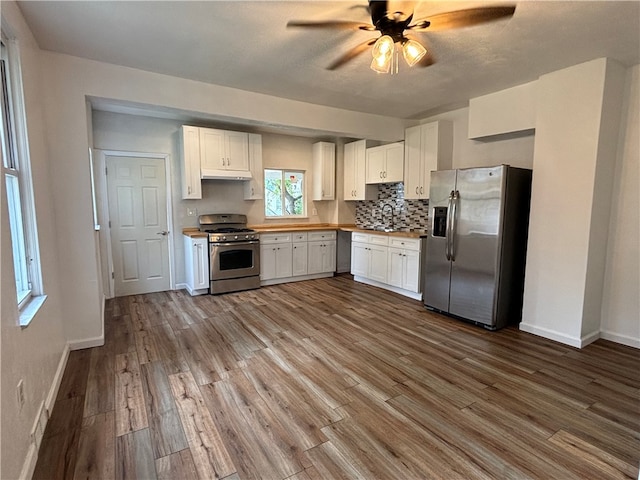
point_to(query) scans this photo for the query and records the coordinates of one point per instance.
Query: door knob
(164, 233)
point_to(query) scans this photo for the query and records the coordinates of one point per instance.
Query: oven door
(234, 260)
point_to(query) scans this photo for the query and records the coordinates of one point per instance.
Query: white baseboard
(551, 335)
(276, 281)
(618, 338)
(590, 338)
(42, 417)
(86, 343)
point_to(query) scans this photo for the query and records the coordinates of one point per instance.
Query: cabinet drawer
(359, 237)
(299, 236)
(406, 243)
(378, 239)
(322, 235)
(267, 238)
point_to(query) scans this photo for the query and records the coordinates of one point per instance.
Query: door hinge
(109, 223)
(113, 275)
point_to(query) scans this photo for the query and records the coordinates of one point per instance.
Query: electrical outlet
(314, 211)
(20, 393)
(192, 212)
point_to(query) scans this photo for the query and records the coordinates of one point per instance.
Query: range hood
(225, 174)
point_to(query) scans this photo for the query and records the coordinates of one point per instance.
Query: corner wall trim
(551, 335)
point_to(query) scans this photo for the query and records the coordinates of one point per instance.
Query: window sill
(286, 217)
(30, 310)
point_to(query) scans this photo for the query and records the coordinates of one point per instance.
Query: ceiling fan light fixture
(381, 64)
(383, 47)
(413, 51)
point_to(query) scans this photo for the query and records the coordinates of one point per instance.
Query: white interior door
(137, 195)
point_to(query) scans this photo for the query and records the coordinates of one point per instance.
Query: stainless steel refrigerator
(476, 247)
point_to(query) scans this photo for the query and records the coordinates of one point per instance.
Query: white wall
(33, 353)
(467, 153)
(575, 149)
(621, 300)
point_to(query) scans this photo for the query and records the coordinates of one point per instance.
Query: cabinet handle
(417, 189)
(228, 162)
(421, 190)
(385, 174)
(380, 174)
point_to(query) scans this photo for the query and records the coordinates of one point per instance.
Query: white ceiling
(246, 45)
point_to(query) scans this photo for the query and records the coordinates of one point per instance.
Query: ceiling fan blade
(464, 18)
(336, 24)
(428, 58)
(351, 54)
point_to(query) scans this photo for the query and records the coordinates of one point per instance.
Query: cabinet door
(395, 267)
(268, 262)
(284, 260)
(394, 163)
(375, 160)
(316, 254)
(359, 259)
(201, 264)
(237, 151)
(350, 184)
(362, 190)
(299, 259)
(429, 156)
(324, 171)
(254, 188)
(191, 186)
(212, 149)
(378, 263)
(413, 176)
(329, 258)
(411, 271)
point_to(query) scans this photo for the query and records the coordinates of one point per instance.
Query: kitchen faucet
(382, 215)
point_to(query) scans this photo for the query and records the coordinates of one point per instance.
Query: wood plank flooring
(334, 379)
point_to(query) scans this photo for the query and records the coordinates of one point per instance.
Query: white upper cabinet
(190, 145)
(385, 164)
(324, 171)
(222, 150)
(355, 186)
(253, 189)
(427, 147)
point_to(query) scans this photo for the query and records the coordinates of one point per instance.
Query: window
(17, 178)
(284, 193)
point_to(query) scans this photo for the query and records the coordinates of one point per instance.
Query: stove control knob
(223, 238)
(236, 237)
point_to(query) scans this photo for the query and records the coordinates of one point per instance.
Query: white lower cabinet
(387, 262)
(196, 264)
(275, 256)
(294, 256)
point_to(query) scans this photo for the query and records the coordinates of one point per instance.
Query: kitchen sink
(385, 229)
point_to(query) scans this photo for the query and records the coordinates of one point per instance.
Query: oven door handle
(231, 244)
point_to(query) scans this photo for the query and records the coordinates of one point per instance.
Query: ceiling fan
(392, 20)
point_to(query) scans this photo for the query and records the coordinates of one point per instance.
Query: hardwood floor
(334, 379)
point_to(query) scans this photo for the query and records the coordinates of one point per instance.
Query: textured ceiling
(246, 45)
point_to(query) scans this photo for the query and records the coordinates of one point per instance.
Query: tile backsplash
(408, 214)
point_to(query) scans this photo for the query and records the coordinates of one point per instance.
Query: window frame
(284, 171)
(18, 166)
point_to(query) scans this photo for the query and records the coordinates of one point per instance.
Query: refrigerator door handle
(449, 226)
(454, 224)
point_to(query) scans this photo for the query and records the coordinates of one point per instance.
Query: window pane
(294, 182)
(17, 238)
(273, 193)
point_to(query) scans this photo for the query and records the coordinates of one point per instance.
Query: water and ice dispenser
(439, 222)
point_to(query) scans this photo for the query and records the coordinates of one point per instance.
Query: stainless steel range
(234, 253)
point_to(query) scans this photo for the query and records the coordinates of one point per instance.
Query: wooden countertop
(194, 232)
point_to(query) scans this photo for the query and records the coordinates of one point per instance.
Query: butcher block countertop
(194, 232)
